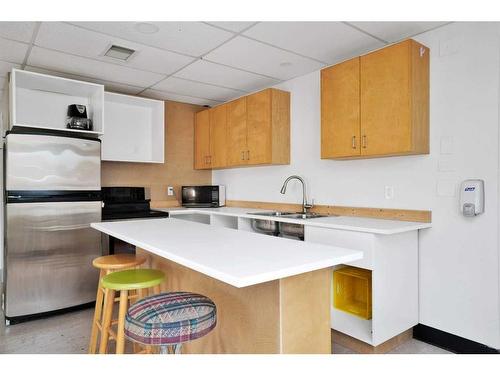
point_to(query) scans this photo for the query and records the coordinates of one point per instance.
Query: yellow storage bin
(352, 291)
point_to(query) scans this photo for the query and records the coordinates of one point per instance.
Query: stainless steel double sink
(276, 228)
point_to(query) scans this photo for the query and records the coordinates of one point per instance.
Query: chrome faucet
(305, 205)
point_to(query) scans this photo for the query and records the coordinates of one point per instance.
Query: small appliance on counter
(77, 118)
(204, 196)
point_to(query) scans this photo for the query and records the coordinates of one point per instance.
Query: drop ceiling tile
(12, 51)
(260, 58)
(162, 95)
(6, 67)
(108, 86)
(232, 26)
(20, 31)
(325, 41)
(75, 40)
(208, 72)
(61, 62)
(394, 31)
(196, 89)
(191, 38)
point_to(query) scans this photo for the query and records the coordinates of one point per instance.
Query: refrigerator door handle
(59, 228)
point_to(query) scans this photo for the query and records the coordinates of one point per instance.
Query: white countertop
(236, 257)
(351, 223)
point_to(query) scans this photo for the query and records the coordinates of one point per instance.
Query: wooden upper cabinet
(237, 131)
(202, 140)
(392, 104)
(218, 136)
(340, 113)
(252, 130)
(259, 132)
(268, 127)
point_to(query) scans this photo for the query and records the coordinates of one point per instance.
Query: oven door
(200, 196)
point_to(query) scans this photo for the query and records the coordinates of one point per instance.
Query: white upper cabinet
(134, 129)
(41, 101)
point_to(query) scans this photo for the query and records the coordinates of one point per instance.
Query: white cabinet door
(134, 129)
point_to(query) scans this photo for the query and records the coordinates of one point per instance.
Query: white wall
(459, 257)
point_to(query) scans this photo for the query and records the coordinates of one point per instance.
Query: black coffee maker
(77, 118)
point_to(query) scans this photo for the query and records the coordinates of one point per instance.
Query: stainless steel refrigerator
(53, 193)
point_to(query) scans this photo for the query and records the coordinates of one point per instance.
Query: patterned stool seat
(170, 318)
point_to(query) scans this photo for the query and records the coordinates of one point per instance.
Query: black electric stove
(123, 203)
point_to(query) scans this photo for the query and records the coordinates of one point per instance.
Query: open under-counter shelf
(41, 101)
(134, 129)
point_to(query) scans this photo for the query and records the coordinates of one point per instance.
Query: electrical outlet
(170, 190)
(389, 192)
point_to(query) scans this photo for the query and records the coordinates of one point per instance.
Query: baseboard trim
(450, 342)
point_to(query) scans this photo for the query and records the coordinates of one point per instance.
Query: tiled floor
(69, 333)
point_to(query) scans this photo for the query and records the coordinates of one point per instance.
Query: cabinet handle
(353, 141)
(242, 155)
(364, 141)
(248, 154)
(209, 159)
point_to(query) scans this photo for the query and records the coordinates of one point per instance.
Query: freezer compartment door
(50, 247)
(48, 162)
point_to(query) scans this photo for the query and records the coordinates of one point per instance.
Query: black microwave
(204, 196)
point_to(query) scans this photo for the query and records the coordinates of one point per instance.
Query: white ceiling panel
(395, 31)
(6, 67)
(71, 64)
(162, 95)
(208, 72)
(260, 58)
(232, 26)
(12, 51)
(192, 38)
(325, 41)
(197, 89)
(108, 86)
(75, 40)
(20, 31)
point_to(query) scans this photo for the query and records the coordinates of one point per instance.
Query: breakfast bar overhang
(272, 294)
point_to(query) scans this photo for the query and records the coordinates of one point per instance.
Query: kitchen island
(272, 294)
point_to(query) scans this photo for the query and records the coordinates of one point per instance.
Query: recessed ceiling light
(286, 64)
(120, 53)
(146, 28)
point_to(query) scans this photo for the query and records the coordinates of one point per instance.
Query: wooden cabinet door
(259, 131)
(218, 134)
(202, 140)
(340, 110)
(237, 131)
(385, 101)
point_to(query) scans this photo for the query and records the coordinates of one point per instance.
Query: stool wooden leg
(109, 297)
(122, 311)
(97, 316)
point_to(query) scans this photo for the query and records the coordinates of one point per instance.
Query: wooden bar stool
(123, 281)
(169, 319)
(107, 264)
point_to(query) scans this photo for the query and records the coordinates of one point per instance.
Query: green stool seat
(133, 279)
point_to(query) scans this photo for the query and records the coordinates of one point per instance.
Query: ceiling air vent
(120, 53)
